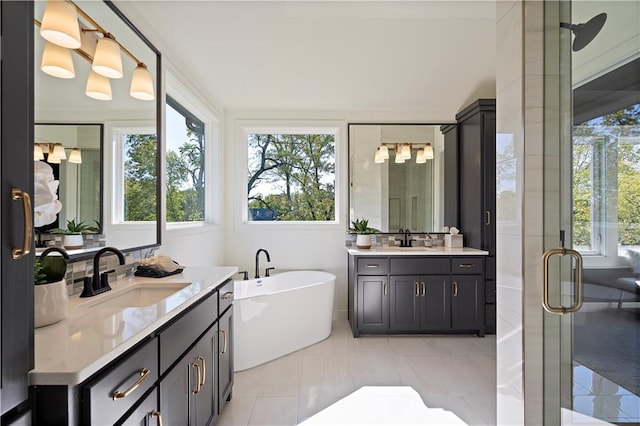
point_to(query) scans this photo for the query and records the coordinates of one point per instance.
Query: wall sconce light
(75, 156)
(60, 24)
(61, 27)
(57, 61)
(37, 153)
(58, 152)
(403, 152)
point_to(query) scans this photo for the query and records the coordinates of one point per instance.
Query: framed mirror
(99, 191)
(396, 176)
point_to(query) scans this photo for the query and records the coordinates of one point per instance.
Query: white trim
(243, 127)
(213, 154)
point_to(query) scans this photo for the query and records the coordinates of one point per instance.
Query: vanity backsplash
(76, 271)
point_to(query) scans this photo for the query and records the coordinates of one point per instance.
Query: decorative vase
(363, 241)
(73, 241)
(50, 303)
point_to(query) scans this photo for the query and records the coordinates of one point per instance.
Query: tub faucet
(258, 260)
(100, 282)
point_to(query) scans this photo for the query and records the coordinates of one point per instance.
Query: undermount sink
(139, 296)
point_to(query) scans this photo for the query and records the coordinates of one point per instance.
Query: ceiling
(419, 57)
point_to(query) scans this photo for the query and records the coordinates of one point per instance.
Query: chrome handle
(424, 289)
(17, 194)
(455, 289)
(545, 283)
(224, 342)
(488, 218)
(228, 295)
(467, 265)
(159, 416)
(143, 375)
(196, 389)
(384, 289)
(204, 370)
(417, 289)
(372, 265)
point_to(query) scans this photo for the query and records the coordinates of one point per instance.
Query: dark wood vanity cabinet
(416, 294)
(175, 376)
(470, 192)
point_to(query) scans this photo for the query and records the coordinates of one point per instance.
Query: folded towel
(162, 263)
(153, 272)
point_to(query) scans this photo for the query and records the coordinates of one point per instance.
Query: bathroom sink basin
(139, 296)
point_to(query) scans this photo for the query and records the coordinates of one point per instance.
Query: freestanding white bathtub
(277, 315)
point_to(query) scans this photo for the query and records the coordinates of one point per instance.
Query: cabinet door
(204, 368)
(16, 324)
(147, 413)
(224, 350)
(373, 303)
(175, 394)
(435, 302)
(467, 302)
(404, 298)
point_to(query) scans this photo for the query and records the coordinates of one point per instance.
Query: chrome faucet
(258, 260)
(100, 282)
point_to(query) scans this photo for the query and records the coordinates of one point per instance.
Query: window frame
(245, 127)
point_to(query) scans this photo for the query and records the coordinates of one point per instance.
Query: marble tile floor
(455, 373)
(599, 397)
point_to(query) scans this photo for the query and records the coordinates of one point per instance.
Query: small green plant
(77, 228)
(49, 269)
(361, 226)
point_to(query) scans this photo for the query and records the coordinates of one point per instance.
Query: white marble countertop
(70, 351)
(416, 251)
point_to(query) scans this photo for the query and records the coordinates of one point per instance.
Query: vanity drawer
(467, 265)
(182, 333)
(225, 296)
(127, 381)
(420, 265)
(373, 266)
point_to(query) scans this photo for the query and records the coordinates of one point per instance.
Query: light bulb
(60, 24)
(108, 59)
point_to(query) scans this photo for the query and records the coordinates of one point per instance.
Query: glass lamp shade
(57, 61)
(142, 84)
(420, 157)
(428, 152)
(58, 153)
(60, 24)
(75, 156)
(378, 157)
(384, 152)
(37, 153)
(108, 59)
(406, 152)
(399, 159)
(98, 87)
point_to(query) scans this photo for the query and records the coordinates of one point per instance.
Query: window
(185, 165)
(291, 174)
(606, 183)
(137, 151)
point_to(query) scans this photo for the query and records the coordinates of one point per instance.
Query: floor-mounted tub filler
(280, 314)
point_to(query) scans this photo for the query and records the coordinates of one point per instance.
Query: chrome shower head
(585, 33)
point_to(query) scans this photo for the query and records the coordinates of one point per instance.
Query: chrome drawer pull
(372, 265)
(417, 289)
(228, 295)
(467, 265)
(424, 288)
(455, 289)
(143, 375)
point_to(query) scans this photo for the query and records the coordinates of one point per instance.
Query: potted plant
(50, 292)
(73, 233)
(361, 228)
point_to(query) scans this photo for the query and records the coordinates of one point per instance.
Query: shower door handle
(577, 281)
